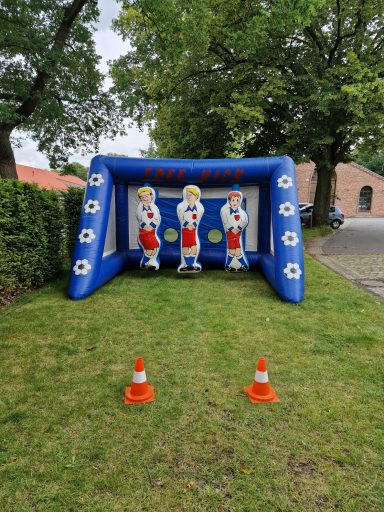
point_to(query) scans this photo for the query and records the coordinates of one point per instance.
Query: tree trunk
(28, 106)
(322, 202)
(7, 158)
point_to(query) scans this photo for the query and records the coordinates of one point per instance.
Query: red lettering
(238, 173)
(147, 172)
(205, 175)
(226, 174)
(216, 175)
(170, 174)
(159, 172)
(180, 174)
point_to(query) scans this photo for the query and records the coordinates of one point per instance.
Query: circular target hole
(171, 235)
(215, 236)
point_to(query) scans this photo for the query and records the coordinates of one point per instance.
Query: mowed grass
(68, 443)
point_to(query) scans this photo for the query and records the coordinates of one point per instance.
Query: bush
(72, 202)
(31, 237)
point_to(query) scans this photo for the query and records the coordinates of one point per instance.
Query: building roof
(47, 179)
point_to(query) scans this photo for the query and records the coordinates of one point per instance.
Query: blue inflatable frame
(278, 208)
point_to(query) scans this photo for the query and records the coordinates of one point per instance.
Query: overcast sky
(109, 45)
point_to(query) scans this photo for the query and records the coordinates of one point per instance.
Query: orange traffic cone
(260, 390)
(140, 390)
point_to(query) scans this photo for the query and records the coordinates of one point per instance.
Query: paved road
(357, 236)
(356, 251)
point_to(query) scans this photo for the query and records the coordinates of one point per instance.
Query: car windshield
(309, 209)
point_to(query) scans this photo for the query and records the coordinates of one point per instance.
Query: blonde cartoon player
(235, 220)
(148, 217)
(190, 211)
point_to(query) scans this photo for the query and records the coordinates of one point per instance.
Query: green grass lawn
(68, 443)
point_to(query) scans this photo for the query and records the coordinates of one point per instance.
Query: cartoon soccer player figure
(190, 211)
(235, 220)
(148, 217)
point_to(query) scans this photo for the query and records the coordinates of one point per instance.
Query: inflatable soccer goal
(233, 214)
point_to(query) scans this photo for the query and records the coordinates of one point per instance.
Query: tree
(150, 152)
(373, 162)
(184, 128)
(49, 83)
(75, 169)
(300, 77)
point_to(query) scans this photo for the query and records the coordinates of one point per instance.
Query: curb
(315, 249)
(315, 246)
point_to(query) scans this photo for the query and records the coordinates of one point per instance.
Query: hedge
(35, 225)
(72, 202)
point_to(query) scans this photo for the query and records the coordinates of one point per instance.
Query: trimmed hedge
(32, 237)
(72, 203)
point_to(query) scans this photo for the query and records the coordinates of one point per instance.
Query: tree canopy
(252, 78)
(50, 86)
(75, 169)
(372, 161)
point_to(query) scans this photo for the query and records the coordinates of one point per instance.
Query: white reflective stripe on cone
(261, 377)
(139, 377)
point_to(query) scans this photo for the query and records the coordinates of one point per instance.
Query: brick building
(357, 191)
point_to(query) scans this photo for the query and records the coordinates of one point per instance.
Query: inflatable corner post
(132, 217)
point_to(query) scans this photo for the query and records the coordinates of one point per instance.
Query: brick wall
(351, 178)
(304, 174)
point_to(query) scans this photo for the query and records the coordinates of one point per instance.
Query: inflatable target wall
(111, 236)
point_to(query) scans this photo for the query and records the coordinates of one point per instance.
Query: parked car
(303, 205)
(336, 216)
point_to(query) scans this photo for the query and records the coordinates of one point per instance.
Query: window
(365, 199)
